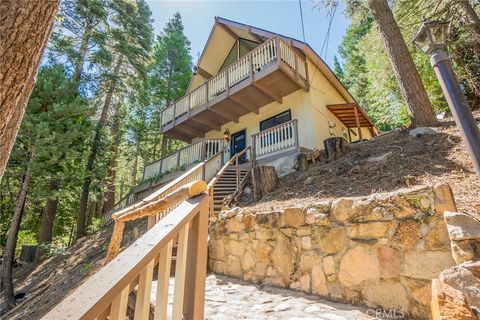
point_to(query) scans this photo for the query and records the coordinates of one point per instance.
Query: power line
(331, 16)
(301, 18)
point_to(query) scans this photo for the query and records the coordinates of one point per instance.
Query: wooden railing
(275, 140)
(234, 161)
(255, 61)
(105, 295)
(195, 152)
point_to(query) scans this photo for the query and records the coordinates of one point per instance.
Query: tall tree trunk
(109, 202)
(82, 210)
(411, 86)
(45, 234)
(471, 14)
(9, 256)
(82, 53)
(25, 27)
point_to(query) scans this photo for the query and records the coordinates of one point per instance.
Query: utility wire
(301, 18)
(331, 16)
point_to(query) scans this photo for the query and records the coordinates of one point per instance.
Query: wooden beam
(255, 36)
(212, 125)
(192, 130)
(225, 113)
(248, 106)
(227, 29)
(341, 105)
(359, 129)
(175, 134)
(268, 92)
(203, 72)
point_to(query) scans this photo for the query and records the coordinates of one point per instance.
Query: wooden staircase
(227, 185)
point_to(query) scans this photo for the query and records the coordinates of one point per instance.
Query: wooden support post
(357, 121)
(115, 241)
(142, 304)
(163, 278)
(295, 130)
(174, 113)
(118, 310)
(180, 269)
(194, 298)
(349, 135)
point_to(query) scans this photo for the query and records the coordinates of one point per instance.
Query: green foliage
(96, 225)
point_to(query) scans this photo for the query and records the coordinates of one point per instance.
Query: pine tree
(170, 72)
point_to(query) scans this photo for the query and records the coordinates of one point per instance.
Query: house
(259, 91)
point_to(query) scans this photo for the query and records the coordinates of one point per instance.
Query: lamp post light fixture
(431, 39)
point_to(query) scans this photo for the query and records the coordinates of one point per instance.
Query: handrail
(274, 49)
(280, 138)
(105, 294)
(177, 154)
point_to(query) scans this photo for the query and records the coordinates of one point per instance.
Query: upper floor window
(238, 51)
(275, 120)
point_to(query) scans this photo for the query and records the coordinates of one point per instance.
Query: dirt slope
(384, 164)
(48, 283)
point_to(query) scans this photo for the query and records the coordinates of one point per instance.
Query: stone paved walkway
(229, 299)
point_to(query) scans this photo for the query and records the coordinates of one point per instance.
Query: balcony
(266, 74)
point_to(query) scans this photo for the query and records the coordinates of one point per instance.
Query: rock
(465, 250)
(229, 213)
(342, 209)
(389, 262)
(421, 131)
(306, 243)
(443, 198)
(293, 217)
(309, 259)
(260, 269)
(437, 237)
(305, 282)
(284, 165)
(216, 250)
(262, 251)
(319, 283)
(382, 157)
(357, 265)
(407, 234)
(234, 267)
(329, 265)
(334, 241)
(218, 267)
(248, 222)
(275, 282)
(420, 291)
(426, 264)
(386, 294)
(282, 257)
(462, 226)
(309, 181)
(236, 248)
(268, 219)
(449, 304)
(248, 261)
(368, 231)
(463, 280)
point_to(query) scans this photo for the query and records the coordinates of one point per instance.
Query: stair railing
(105, 295)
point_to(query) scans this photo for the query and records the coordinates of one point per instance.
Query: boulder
(449, 303)
(465, 281)
(332, 241)
(465, 250)
(369, 231)
(421, 131)
(293, 217)
(443, 198)
(462, 226)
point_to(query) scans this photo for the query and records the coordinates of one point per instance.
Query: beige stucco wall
(315, 122)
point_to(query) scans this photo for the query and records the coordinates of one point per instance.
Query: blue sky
(281, 16)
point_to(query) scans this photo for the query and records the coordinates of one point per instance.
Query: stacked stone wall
(381, 251)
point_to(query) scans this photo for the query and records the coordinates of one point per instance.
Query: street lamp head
(431, 36)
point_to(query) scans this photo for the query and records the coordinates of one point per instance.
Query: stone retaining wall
(381, 251)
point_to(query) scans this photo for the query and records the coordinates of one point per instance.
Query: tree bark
(266, 180)
(471, 14)
(45, 234)
(25, 27)
(82, 210)
(109, 202)
(8, 290)
(82, 53)
(411, 86)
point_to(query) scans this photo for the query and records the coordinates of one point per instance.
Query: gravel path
(231, 299)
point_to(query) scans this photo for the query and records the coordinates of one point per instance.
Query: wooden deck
(266, 74)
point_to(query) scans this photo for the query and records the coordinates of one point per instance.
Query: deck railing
(195, 152)
(275, 140)
(105, 295)
(255, 61)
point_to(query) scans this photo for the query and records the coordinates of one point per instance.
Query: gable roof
(240, 30)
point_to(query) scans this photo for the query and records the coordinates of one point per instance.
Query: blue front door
(237, 144)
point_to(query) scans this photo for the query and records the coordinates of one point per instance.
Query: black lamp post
(431, 39)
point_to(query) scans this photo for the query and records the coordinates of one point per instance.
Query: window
(235, 53)
(275, 120)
